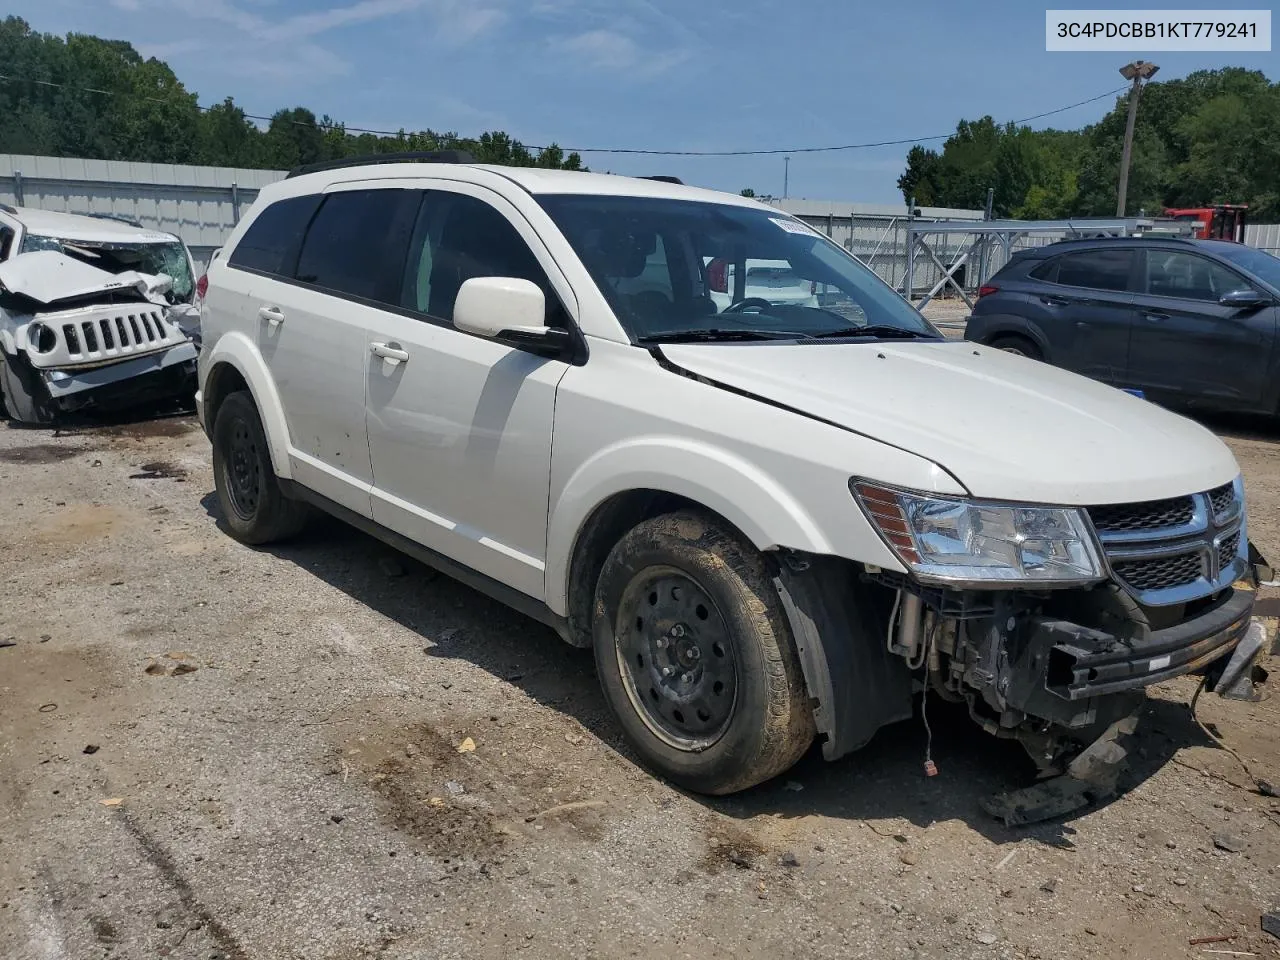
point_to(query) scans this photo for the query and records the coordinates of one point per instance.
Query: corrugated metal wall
(199, 204)
(1264, 236)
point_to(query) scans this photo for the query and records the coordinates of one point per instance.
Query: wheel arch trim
(238, 352)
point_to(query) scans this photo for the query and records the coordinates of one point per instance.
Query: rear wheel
(254, 507)
(696, 658)
(1019, 346)
(24, 398)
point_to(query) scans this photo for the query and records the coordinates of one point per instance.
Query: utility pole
(786, 176)
(1137, 71)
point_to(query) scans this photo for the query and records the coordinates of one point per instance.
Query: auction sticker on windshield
(1139, 31)
(793, 226)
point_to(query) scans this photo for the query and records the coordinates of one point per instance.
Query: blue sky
(671, 74)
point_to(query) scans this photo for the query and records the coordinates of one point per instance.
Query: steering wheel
(760, 303)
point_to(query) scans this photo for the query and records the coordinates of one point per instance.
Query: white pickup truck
(771, 523)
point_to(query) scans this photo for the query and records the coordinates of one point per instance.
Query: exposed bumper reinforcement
(1086, 663)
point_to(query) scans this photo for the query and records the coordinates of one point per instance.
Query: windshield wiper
(720, 336)
(879, 330)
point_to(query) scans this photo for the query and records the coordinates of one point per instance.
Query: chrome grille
(1153, 515)
(1227, 550)
(1177, 549)
(1223, 500)
(1161, 573)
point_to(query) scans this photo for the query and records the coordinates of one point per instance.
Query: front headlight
(953, 541)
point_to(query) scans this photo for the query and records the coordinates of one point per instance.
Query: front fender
(754, 502)
(241, 353)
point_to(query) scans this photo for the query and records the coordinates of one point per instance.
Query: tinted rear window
(272, 239)
(357, 243)
(1096, 269)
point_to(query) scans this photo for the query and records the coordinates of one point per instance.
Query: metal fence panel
(1264, 236)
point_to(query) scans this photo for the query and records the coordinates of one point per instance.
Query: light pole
(1137, 71)
(786, 176)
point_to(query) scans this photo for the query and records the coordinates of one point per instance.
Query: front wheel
(696, 658)
(24, 397)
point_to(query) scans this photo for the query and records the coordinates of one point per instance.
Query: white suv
(770, 522)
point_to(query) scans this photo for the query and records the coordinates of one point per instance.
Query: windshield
(150, 258)
(673, 267)
(1258, 262)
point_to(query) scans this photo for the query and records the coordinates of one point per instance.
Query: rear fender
(239, 352)
(1005, 324)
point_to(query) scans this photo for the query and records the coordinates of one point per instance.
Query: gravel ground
(324, 751)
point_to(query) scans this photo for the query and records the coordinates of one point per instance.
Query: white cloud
(310, 24)
(601, 48)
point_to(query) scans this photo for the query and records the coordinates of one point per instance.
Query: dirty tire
(770, 724)
(1020, 346)
(254, 507)
(23, 399)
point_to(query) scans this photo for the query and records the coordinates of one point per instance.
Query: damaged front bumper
(1082, 662)
(108, 354)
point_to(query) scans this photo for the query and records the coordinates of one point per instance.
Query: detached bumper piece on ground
(76, 336)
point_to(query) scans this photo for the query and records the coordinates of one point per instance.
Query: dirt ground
(325, 752)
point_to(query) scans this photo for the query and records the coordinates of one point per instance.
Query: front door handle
(389, 351)
(273, 315)
(1155, 316)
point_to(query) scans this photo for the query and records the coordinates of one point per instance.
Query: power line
(603, 150)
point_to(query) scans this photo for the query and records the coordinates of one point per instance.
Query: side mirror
(488, 306)
(1244, 299)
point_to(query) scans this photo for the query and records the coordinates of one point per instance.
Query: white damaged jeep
(94, 311)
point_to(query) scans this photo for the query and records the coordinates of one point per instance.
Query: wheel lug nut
(678, 630)
(687, 678)
(694, 653)
(666, 671)
(663, 643)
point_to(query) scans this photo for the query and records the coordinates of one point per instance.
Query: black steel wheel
(255, 509)
(676, 658)
(695, 655)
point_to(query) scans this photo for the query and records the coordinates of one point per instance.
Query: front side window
(1188, 277)
(457, 238)
(702, 270)
(1261, 264)
(272, 239)
(1096, 269)
(356, 243)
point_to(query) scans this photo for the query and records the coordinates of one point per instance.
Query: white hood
(47, 277)
(1006, 427)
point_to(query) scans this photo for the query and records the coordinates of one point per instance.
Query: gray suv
(1182, 322)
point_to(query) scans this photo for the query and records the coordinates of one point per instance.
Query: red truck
(1223, 221)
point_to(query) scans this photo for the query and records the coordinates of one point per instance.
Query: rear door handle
(273, 315)
(389, 351)
(1155, 316)
(1055, 301)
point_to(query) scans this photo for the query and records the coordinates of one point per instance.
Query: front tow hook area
(1094, 775)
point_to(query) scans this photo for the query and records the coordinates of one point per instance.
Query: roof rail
(665, 179)
(7, 208)
(432, 156)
